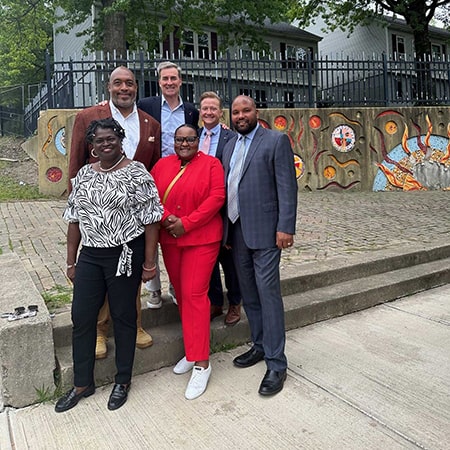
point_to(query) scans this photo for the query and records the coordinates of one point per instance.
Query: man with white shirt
(142, 143)
(170, 111)
(213, 137)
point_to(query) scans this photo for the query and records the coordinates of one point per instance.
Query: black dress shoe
(71, 398)
(118, 396)
(249, 358)
(272, 382)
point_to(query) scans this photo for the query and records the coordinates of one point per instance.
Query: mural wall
(350, 149)
(367, 149)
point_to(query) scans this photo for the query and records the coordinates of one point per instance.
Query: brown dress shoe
(215, 311)
(233, 315)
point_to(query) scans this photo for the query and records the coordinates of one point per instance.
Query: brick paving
(329, 225)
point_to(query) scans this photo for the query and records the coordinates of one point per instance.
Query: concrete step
(342, 290)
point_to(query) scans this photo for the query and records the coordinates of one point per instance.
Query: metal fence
(274, 81)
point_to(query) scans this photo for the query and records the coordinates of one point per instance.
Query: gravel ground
(15, 162)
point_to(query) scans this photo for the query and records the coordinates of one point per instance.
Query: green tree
(25, 34)
(141, 24)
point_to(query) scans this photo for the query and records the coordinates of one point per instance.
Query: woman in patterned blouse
(114, 212)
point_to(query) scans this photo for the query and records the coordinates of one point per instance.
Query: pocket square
(151, 139)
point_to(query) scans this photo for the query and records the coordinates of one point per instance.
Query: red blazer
(147, 152)
(196, 198)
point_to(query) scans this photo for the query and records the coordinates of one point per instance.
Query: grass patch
(11, 189)
(218, 347)
(57, 297)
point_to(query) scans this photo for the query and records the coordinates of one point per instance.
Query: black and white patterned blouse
(112, 208)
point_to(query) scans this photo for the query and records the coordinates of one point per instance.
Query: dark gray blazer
(152, 106)
(267, 189)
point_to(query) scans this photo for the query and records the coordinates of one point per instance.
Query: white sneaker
(183, 366)
(171, 294)
(155, 301)
(198, 382)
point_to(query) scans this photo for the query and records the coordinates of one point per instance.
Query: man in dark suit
(169, 109)
(213, 137)
(171, 112)
(260, 222)
(142, 143)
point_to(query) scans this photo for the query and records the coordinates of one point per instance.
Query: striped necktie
(233, 181)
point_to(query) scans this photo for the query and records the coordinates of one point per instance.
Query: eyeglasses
(189, 139)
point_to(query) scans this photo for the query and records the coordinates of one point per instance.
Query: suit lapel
(253, 147)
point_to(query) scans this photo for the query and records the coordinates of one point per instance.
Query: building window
(289, 99)
(195, 45)
(259, 95)
(294, 57)
(436, 52)
(398, 47)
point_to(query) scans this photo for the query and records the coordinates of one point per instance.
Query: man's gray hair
(168, 65)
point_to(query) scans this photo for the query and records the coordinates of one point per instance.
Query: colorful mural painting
(350, 149)
(417, 163)
(370, 149)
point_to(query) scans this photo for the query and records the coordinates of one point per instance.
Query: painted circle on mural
(299, 166)
(329, 172)
(54, 174)
(60, 142)
(280, 123)
(391, 127)
(425, 173)
(343, 138)
(315, 122)
(263, 123)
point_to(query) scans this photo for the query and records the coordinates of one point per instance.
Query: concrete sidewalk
(377, 379)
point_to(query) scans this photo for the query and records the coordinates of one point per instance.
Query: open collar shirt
(131, 126)
(170, 121)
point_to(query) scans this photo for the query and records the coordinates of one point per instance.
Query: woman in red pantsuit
(192, 190)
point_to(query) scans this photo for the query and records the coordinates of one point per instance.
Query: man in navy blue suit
(259, 222)
(213, 137)
(170, 111)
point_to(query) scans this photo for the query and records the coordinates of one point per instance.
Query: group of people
(144, 173)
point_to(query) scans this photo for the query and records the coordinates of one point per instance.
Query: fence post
(48, 75)
(141, 82)
(230, 88)
(310, 86)
(385, 80)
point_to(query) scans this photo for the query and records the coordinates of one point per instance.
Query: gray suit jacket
(267, 189)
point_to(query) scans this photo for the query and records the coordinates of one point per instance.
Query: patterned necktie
(233, 182)
(206, 142)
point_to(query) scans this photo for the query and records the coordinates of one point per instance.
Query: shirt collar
(215, 130)
(180, 100)
(250, 135)
(116, 110)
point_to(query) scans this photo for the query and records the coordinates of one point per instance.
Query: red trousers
(189, 269)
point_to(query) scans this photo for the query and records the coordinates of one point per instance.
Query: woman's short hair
(188, 125)
(108, 123)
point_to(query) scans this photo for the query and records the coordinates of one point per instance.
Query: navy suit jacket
(267, 189)
(152, 106)
(224, 136)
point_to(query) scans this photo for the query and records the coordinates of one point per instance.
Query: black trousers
(95, 276)
(215, 292)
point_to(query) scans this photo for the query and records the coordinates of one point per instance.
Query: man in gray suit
(260, 222)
